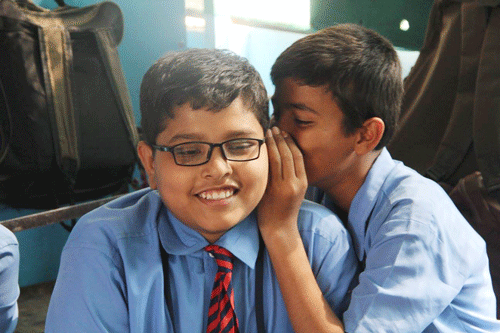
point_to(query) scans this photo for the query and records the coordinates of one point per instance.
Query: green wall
(383, 16)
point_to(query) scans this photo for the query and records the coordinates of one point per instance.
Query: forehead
(292, 87)
(237, 120)
(293, 94)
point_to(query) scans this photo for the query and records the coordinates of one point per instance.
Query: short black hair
(359, 66)
(205, 78)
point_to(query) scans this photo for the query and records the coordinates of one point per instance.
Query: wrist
(281, 236)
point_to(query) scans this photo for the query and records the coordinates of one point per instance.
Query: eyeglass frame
(210, 150)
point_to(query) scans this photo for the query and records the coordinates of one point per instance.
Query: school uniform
(9, 276)
(111, 277)
(426, 269)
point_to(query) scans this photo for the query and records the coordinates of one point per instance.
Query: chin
(228, 222)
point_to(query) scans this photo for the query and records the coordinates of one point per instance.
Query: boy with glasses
(184, 255)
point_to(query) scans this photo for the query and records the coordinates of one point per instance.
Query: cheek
(285, 123)
(304, 137)
(256, 176)
(261, 172)
(171, 178)
(306, 140)
(264, 174)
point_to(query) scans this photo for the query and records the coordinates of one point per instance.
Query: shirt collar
(364, 201)
(178, 239)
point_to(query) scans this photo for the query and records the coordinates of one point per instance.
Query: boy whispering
(185, 254)
(424, 269)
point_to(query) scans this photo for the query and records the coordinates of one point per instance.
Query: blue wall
(152, 27)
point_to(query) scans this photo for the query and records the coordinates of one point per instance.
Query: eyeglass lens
(192, 153)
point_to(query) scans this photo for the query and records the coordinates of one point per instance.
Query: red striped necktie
(221, 315)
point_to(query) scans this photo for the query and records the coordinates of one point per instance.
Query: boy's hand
(277, 216)
(287, 184)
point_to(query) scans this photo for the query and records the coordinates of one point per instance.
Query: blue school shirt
(426, 268)
(111, 277)
(9, 275)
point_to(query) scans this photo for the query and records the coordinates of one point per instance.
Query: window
(280, 14)
(291, 15)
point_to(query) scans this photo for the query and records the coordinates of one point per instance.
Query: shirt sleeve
(89, 294)
(409, 279)
(333, 261)
(9, 287)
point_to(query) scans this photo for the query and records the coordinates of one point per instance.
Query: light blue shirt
(426, 268)
(9, 275)
(111, 278)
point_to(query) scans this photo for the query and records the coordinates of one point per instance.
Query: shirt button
(211, 254)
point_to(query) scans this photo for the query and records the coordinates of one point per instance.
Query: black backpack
(67, 128)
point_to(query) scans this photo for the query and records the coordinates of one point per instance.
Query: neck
(343, 192)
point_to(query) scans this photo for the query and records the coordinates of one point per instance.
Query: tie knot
(222, 256)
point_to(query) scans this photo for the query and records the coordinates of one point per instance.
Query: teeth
(216, 195)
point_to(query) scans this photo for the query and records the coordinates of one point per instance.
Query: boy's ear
(146, 156)
(369, 135)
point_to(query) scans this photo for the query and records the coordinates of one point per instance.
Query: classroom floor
(33, 303)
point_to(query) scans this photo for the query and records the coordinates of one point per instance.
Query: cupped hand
(287, 184)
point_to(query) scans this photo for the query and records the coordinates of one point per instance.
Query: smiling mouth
(217, 194)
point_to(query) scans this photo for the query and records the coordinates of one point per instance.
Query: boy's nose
(217, 166)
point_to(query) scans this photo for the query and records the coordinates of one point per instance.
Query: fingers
(298, 158)
(274, 156)
(286, 159)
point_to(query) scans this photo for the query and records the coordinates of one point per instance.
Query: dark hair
(204, 78)
(360, 67)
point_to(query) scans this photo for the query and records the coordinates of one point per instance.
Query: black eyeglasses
(198, 153)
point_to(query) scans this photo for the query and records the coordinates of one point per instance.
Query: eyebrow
(302, 107)
(185, 136)
(297, 106)
(199, 137)
(240, 134)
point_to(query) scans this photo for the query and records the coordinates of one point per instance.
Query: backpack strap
(166, 281)
(111, 60)
(56, 57)
(457, 139)
(259, 287)
(259, 283)
(486, 120)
